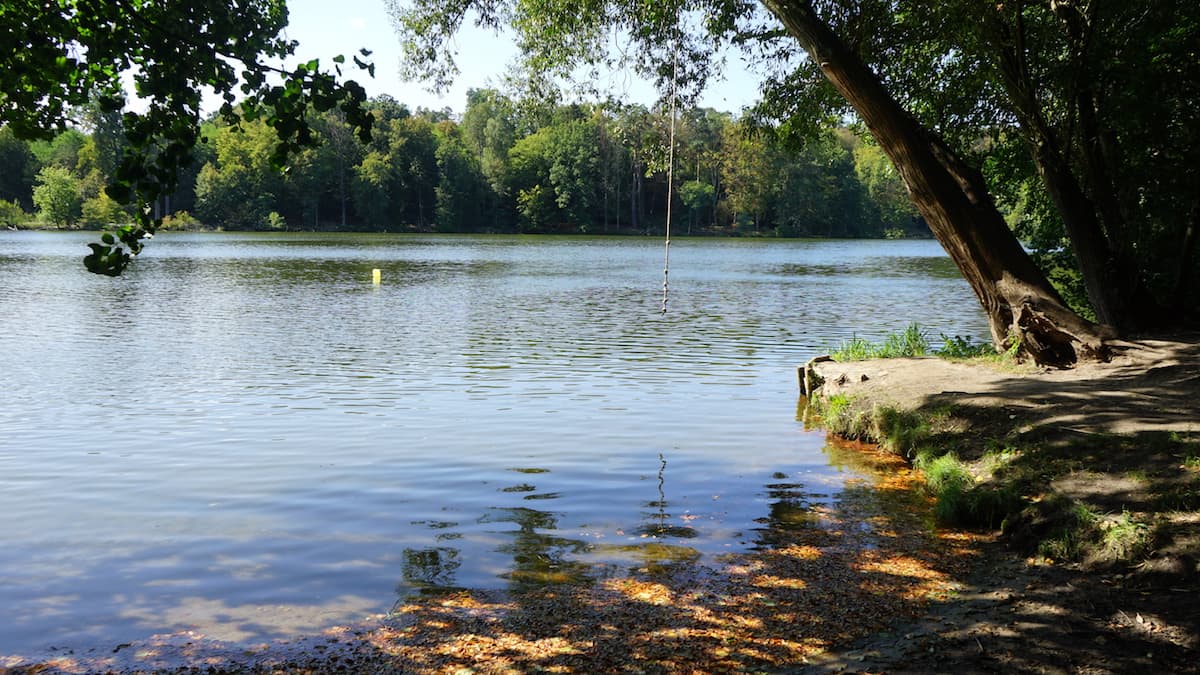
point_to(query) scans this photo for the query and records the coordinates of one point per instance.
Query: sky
(326, 28)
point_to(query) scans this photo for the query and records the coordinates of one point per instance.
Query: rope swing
(670, 180)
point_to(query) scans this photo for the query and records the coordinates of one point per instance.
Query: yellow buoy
(376, 276)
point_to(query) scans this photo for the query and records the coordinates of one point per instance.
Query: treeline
(503, 166)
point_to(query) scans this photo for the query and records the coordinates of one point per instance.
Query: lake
(245, 438)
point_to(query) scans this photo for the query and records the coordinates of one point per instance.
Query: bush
(12, 215)
(57, 196)
(102, 211)
(181, 220)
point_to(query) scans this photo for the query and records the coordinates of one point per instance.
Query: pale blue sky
(325, 29)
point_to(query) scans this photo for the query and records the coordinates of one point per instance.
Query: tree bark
(1019, 302)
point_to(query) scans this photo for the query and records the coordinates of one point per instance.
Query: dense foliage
(505, 166)
(65, 64)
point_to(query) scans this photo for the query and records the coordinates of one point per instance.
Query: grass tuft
(958, 347)
(951, 484)
(907, 343)
(1075, 525)
(1122, 538)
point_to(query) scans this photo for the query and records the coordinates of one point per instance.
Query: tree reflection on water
(540, 551)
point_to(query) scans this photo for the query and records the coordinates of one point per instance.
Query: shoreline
(1088, 481)
(872, 587)
(840, 574)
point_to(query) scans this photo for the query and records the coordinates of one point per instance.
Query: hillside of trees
(502, 166)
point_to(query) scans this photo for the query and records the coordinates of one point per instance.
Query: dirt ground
(1021, 613)
(1151, 385)
(864, 586)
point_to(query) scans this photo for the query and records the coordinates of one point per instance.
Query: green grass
(950, 482)
(1075, 525)
(907, 343)
(958, 347)
(1083, 534)
(836, 406)
(1137, 476)
(1185, 497)
(913, 341)
(1122, 538)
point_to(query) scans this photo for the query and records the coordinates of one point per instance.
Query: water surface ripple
(244, 438)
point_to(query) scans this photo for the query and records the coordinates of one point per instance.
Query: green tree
(62, 150)
(17, 168)
(530, 160)
(11, 214)
(60, 56)
(702, 133)
(557, 174)
(750, 172)
(1089, 91)
(697, 196)
(489, 131)
(57, 196)
(238, 190)
(634, 130)
(461, 190)
(106, 133)
(413, 149)
(884, 186)
(574, 172)
(102, 211)
(373, 183)
(820, 194)
(338, 152)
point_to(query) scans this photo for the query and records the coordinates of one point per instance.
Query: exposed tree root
(1049, 333)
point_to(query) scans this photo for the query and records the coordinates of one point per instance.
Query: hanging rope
(670, 180)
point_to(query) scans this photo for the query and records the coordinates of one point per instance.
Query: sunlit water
(245, 438)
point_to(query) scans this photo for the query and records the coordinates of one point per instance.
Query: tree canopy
(61, 57)
(507, 166)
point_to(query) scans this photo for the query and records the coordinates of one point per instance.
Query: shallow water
(245, 438)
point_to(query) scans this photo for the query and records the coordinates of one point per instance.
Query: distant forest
(502, 166)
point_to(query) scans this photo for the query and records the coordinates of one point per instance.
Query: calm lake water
(245, 438)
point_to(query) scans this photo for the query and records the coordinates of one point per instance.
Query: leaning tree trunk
(1019, 301)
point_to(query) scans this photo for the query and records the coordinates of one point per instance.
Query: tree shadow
(1049, 448)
